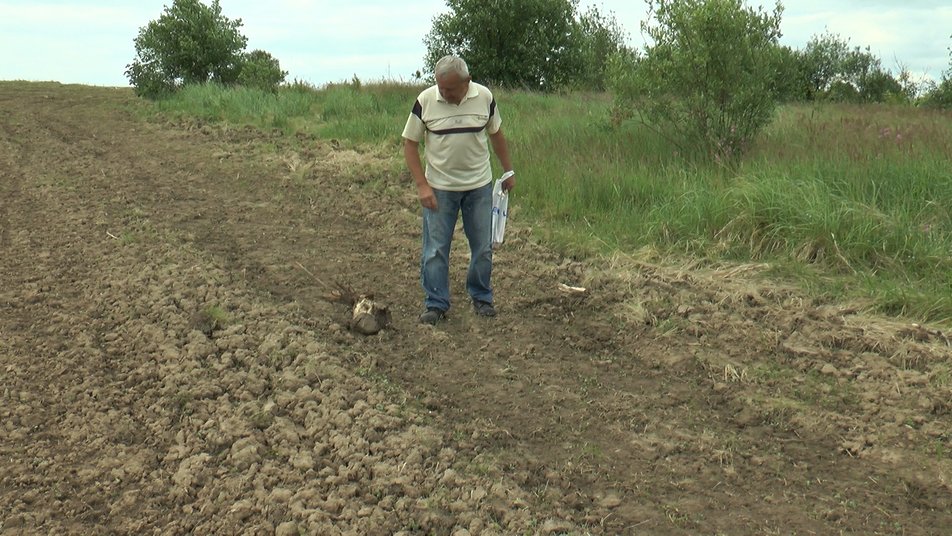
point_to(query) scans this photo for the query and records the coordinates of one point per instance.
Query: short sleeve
(495, 121)
(415, 129)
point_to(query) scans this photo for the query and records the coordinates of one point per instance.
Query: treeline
(549, 45)
(710, 78)
(828, 69)
(546, 45)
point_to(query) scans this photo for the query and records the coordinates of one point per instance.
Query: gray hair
(451, 64)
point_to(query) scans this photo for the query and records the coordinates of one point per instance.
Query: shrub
(260, 70)
(148, 79)
(939, 96)
(707, 81)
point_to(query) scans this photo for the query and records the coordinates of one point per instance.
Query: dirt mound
(166, 365)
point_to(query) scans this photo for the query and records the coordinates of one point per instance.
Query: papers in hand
(500, 209)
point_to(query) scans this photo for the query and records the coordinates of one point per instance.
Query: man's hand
(411, 151)
(427, 199)
(509, 184)
(498, 140)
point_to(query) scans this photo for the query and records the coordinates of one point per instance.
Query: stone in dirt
(369, 316)
(556, 526)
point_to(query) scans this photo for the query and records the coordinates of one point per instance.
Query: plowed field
(169, 363)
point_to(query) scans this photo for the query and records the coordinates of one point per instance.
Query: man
(454, 118)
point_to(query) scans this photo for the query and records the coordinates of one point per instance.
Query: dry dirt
(168, 364)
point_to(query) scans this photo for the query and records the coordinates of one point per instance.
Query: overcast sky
(320, 41)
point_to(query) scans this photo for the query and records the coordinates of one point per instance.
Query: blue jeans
(476, 206)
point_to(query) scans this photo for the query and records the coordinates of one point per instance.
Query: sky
(321, 41)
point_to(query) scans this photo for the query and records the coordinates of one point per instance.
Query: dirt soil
(169, 365)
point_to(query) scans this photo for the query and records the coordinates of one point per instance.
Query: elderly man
(454, 118)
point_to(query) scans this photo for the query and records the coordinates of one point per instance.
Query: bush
(822, 62)
(791, 82)
(149, 80)
(843, 91)
(708, 80)
(260, 70)
(880, 85)
(939, 96)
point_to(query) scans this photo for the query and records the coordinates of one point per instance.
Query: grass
(218, 315)
(241, 106)
(853, 202)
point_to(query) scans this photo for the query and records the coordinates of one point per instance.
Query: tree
(940, 95)
(823, 60)
(864, 71)
(599, 37)
(707, 81)
(910, 88)
(512, 43)
(879, 85)
(836, 72)
(790, 78)
(193, 43)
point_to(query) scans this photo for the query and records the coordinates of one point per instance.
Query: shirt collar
(472, 92)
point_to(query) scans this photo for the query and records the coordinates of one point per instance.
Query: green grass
(218, 315)
(241, 106)
(851, 201)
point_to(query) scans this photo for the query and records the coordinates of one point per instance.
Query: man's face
(453, 87)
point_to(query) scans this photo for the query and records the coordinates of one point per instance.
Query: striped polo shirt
(455, 137)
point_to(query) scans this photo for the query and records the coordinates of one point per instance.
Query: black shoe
(432, 316)
(483, 308)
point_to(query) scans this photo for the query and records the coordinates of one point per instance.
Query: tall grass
(241, 105)
(855, 200)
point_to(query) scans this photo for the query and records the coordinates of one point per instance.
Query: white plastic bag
(500, 209)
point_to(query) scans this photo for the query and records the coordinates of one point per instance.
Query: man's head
(452, 78)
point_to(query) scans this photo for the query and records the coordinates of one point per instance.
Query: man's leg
(477, 206)
(438, 228)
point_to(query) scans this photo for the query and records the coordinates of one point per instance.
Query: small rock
(244, 453)
(476, 526)
(478, 494)
(369, 317)
(241, 510)
(280, 496)
(610, 501)
(302, 461)
(555, 526)
(288, 528)
(829, 370)
(449, 478)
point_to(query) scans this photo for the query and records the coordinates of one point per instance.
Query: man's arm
(411, 153)
(501, 148)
